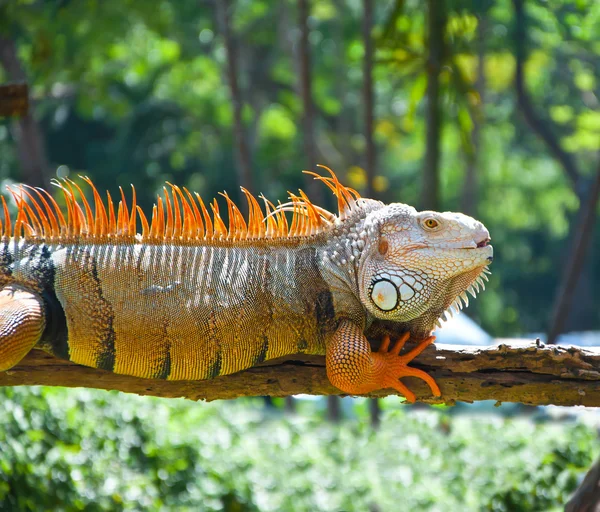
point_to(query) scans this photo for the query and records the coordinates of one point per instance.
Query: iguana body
(191, 299)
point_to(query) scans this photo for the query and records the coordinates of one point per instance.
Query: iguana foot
(355, 369)
(396, 365)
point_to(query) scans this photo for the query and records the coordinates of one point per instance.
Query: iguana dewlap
(192, 298)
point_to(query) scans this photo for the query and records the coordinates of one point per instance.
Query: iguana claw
(397, 365)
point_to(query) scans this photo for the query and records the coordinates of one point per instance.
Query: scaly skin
(190, 299)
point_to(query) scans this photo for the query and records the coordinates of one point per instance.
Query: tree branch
(436, 27)
(512, 371)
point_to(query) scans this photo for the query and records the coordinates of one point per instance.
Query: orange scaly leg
(355, 369)
(22, 323)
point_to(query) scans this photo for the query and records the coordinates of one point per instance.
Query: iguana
(191, 298)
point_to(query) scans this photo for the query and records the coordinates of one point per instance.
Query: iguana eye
(431, 223)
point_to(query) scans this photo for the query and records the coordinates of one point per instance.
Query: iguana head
(415, 265)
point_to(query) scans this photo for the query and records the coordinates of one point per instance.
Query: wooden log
(522, 371)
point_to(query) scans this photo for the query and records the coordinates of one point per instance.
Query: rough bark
(511, 371)
(241, 142)
(436, 24)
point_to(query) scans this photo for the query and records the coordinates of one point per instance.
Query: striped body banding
(180, 312)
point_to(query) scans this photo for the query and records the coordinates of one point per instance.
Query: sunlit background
(488, 107)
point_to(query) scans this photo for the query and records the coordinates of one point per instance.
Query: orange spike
(46, 230)
(207, 222)
(60, 219)
(313, 214)
(55, 230)
(37, 227)
(237, 225)
(169, 232)
(345, 200)
(258, 228)
(20, 220)
(21, 224)
(86, 205)
(154, 223)
(71, 221)
(16, 232)
(230, 216)
(294, 227)
(197, 214)
(302, 218)
(68, 225)
(7, 222)
(269, 220)
(112, 223)
(120, 219)
(123, 218)
(145, 227)
(176, 213)
(282, 223)
(77, 211)
(132, 220)
(161, 219)
(220, 230)
(252, 228)
(190, 228)
(323, 179)
(344, 191)
(101, 219)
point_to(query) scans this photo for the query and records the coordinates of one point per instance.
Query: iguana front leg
(22, 323)
(355, 369)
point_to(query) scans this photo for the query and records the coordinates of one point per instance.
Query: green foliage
(92, 450)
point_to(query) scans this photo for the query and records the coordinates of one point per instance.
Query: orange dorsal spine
(177, 215)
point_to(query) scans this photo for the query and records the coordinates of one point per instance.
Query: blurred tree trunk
(587, 496)
(344, 120)
(310, 154)
(14, 100)
(290, 404)
(223, 8)
(471, 185)
(588, 192)
(542, 127)
(334, 408)
(367, 26)
(436, 26)
(31, 148)
(583, 233)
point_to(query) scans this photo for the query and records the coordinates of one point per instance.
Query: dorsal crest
(177, 216)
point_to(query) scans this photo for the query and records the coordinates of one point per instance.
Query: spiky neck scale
(179, 217)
